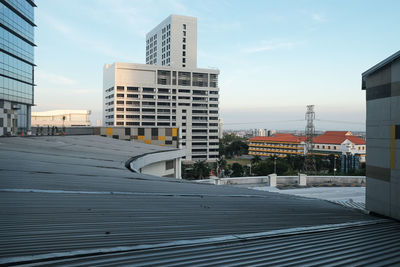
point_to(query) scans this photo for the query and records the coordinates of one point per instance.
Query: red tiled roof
(338, 133)
(338, 137)
(279, 137)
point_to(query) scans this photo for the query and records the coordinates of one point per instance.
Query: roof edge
(381, 64)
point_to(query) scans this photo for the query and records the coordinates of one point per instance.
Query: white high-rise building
(173, 94)
(173, 43)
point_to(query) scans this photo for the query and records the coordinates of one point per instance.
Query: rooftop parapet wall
(148, 135)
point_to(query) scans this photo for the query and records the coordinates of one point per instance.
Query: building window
(184, 33)
(184, 53)
(183, 60)
(184, 40)
(184, 46)
(184, 26)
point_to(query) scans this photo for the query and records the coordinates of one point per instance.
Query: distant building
(339, 142)
(382, 85)
(271, 132)
(260, 132)
(16, 66)
(60, 118)
(168, 91)
(331, 142)
(279, 145)
(220, 129)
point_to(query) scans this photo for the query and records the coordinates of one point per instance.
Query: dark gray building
(16, 65)
(382, 85)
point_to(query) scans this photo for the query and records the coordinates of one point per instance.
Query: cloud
(318, 17)
(269, 46)
(52, 78)
(83, 39)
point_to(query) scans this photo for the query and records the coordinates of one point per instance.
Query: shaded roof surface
(73, 194)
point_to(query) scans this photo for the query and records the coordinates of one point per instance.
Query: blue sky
(275, 57)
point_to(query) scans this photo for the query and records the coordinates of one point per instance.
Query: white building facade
(173, 42)
(145, 95)
(168, 91)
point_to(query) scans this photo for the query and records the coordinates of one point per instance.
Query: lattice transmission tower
(309, 161)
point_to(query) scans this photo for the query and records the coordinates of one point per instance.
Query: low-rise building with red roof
(339, 142)
(279, 145)
(331, 142)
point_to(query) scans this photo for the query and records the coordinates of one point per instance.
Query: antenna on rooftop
(309, 161)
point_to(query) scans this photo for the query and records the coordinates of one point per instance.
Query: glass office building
(16, 65)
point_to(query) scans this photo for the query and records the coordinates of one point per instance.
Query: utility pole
(334, 166)
(309, 161)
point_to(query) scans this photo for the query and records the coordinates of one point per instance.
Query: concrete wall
(158, 169)
(68, 131)
(290, 180)
(383, 138)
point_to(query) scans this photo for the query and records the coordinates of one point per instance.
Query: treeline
(292, 165)
(231, 147)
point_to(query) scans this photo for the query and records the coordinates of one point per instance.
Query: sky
(274, 57)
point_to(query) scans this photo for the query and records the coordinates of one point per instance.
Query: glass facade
(16, 65)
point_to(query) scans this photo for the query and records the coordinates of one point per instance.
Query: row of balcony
(275, 146)
(267, 154)
(277, 151)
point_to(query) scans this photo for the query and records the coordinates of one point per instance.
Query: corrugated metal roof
(364, 245)
(64, 195)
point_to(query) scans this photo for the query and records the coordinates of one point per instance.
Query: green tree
(295, 162)
(237, 170)
(222, 148)
(281, 167)
(236, 148)
(264, 167)
(256, 159)
(201, 170)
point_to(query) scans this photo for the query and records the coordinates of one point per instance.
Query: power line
(348, 122)
(256, 122)
(285, 121)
